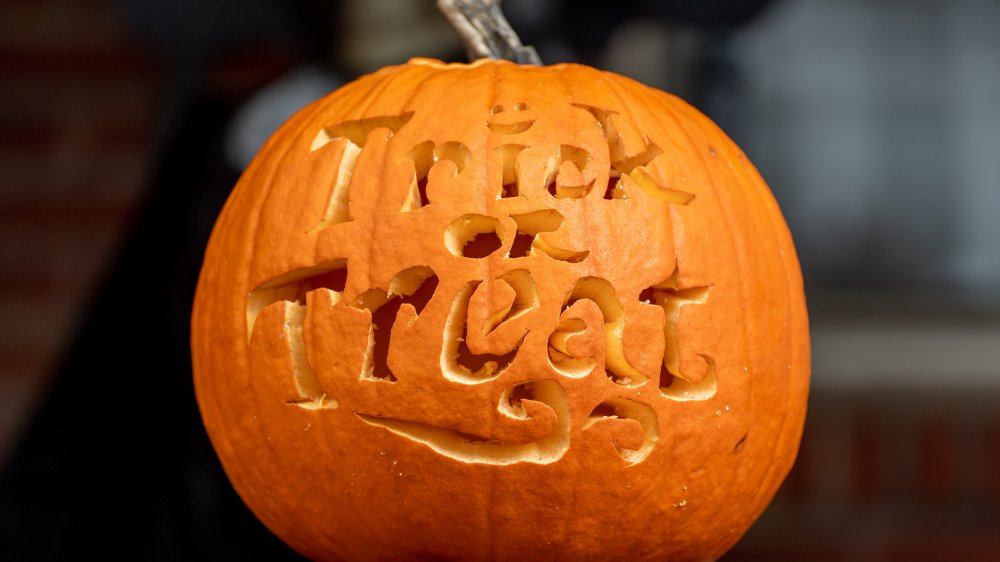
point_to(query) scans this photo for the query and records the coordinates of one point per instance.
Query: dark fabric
(117, 463)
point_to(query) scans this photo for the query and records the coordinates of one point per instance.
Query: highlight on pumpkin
(683, 390)
(338, 206)
(616, 187)
(561, 357)
(564, 174)
(293, 291)
(525, 299)
(623, 166)
(557, 253)
(674, 384)
(305, 379)
(529, 228)
(649, 185)
(519, 418)
(517, 107)
(424, 157)
(294, 285)
(282, 329)
(512, 401)
(536, 222)
(473, 236)
(458, 363)
(510, 128)
(630, 425)
(413, 287)
(356, 131)
(506, 126)
(510, 184)
(603, 294)
(523, 397)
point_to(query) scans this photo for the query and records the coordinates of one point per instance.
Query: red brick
(61, 212)
(65, 259)
(73, 174)
(37, 325)
(936, 462)
(58, 25)
(869, 460)
(44, 136)
(947, 544)
(71, 62)
(92, 98)
(22, 361)
(991, 457)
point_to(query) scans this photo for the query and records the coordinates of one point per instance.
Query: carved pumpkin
(493, 311)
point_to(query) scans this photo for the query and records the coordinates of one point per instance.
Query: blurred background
(124, 124)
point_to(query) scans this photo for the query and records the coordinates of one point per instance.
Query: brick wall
(890, 475)
(77, 123)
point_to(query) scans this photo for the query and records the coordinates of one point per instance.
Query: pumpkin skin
(492, 311)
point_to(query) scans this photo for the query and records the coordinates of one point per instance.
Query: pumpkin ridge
(258, 208)
(763, 493)
(769, 205)
(667, 103)
(291, 143)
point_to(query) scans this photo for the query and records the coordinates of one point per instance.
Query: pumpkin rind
(350, 444)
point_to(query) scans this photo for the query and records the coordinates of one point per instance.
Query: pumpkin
(498, 311)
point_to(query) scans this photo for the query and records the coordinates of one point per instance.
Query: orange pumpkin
(492, 311)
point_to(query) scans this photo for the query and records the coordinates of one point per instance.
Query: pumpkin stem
(485, 32)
